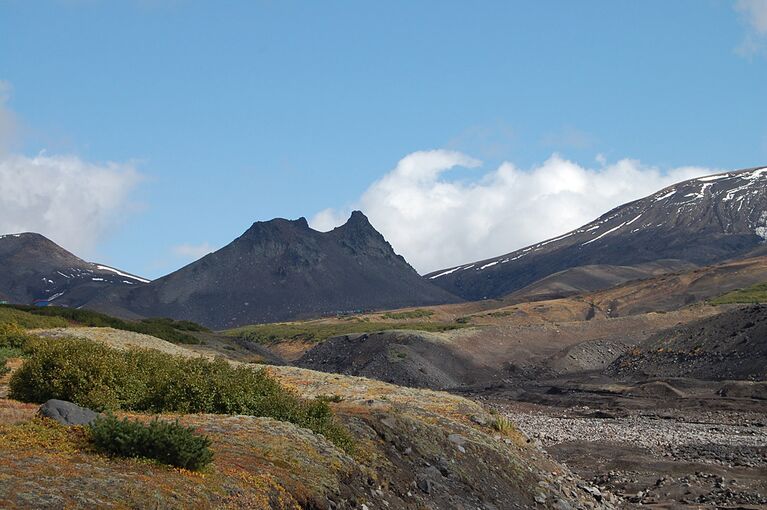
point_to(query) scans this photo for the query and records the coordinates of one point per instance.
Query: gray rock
(426, 485)
(66, 413)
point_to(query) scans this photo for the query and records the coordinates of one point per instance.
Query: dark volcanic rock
(34, 267)
(728, 346)
(405, 358)
(281, 270)
(67, 413)
(701, 221)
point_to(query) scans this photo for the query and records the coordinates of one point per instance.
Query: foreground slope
(414, 449)
(34, 267)
(280, 270)
(700, 221)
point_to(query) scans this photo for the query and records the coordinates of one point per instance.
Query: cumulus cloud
(436, 222)
(63, 197)
(754, 14)
(192, 251)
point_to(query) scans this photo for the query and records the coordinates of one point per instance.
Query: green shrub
(168, 329)
(7, 353)
(102, 378)
(9, 314)
(13, 336)
(166, 442)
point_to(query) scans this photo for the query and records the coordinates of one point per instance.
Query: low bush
(9, 314)
(102, 378)
(13, 336)
(177, 332)
(5, 354)
(166, 442)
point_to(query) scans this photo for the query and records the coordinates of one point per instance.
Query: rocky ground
(682, 458)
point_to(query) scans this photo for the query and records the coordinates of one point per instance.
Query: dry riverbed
(678, 459)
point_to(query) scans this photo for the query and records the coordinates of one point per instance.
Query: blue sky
(232, 112)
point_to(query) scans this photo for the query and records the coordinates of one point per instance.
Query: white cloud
(192, 251)
(435, 222)
(754, 13)
(69, 200)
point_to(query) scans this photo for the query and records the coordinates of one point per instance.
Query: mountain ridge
(280, 270)
(700, 221)
(36, 268)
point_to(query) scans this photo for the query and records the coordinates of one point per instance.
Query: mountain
(36, 268)
(281, 270)
(591, 278)
(699, 221)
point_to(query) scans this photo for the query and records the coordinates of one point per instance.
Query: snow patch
(55, 296)
(713, 177)
(604, 234)
(632, 221)
(662, 197)
(445, 273)
(761, 229)
(126, 275)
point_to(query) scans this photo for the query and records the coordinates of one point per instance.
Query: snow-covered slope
(700, 221)
(33, 267)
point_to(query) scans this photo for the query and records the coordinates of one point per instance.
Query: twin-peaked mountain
(280, 270)
(700, 221)
(35, 269)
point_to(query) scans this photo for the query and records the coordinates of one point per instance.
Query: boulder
(66, 413)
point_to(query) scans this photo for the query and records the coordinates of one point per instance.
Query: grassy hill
(412, 448)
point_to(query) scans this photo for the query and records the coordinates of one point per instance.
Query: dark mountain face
(34, 267)
(701, 221)
(280, 270)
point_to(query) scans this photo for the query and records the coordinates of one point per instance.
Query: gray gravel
(663, 437)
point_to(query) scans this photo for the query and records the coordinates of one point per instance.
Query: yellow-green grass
(315, 332)
(754, 294)
(26, 320)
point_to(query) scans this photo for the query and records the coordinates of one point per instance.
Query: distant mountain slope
(33, 267)
(280, 270)
(592, 278)
(700, 221)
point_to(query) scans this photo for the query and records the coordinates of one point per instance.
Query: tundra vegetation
(177, 332)
(165, 442)
(754, 294)
(107, 379)
(318, 331)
